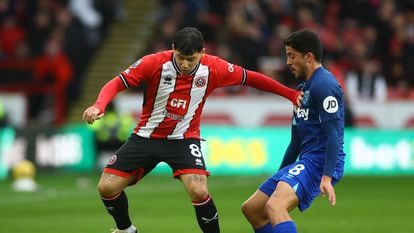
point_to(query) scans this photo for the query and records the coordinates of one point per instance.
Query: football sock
(207, 215)
(264, 229)
(117, 206)
(285, 227)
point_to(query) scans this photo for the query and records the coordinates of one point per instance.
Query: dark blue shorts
(303, 176)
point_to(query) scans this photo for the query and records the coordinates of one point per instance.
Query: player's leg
(111, 189)
(254, 211)
(282, 201)
(206, 211)
(129, 164)
(186, 160)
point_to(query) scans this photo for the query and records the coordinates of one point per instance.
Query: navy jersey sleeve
(329, 101)
(328, 98)
(331, 128)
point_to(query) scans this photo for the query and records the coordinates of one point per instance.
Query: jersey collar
(178, 69)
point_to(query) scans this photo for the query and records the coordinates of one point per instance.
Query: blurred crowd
(368, 44)
(49, 43)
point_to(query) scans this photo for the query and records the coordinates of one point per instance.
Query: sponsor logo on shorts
(112, 160)
(199, 162)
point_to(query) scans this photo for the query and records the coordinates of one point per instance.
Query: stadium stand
(91, 41)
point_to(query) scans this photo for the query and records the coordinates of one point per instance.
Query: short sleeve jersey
(173, 102)
(322, 101)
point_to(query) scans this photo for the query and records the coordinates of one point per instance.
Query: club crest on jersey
(330, 104)
(306, 97)
(112, 160)
(200, 81)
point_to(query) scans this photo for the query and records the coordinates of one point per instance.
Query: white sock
(131, 229)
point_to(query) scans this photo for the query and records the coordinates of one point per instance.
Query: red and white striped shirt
(173, 102)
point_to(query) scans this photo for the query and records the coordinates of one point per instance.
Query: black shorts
(138, 156)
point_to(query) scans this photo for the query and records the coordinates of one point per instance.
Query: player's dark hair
(305, 41)
(188, 41)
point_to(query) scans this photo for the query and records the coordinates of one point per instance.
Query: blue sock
(264, 229)
(285, 227)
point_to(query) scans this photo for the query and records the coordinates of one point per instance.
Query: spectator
(366, 82)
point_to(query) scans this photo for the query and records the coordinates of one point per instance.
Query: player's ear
(172, 46)
(309, 57)
(203, 51)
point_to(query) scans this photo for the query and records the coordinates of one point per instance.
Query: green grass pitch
(158, 204)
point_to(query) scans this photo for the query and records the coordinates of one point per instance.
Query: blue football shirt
(323, 101)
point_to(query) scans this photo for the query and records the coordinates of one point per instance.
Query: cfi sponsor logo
(200, 81)
(112, 160)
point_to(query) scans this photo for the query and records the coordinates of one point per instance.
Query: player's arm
(265, 83)
(293, 149)
(107, 93)
(332, 130)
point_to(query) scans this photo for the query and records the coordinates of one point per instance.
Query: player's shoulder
(325, 78)
(209, 59)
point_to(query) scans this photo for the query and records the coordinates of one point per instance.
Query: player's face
(297, 63)
(187, 63)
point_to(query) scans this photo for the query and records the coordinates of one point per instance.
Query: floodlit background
(55, 55)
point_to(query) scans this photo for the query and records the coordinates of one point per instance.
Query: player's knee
(107, 190)
(198, 193)
(247, 209)
(253, 214)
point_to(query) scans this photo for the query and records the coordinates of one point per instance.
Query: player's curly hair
(305, 41)
(188, 41)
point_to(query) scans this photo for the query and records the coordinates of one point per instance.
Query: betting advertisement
(69, 148)
(240, 151)
(226, 150)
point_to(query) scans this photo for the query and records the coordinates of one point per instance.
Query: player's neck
(312, 68)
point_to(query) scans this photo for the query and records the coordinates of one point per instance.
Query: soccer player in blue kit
(316, 139)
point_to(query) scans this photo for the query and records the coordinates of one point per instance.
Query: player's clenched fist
(91, 114)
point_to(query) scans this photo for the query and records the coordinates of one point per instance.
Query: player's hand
(299, 98)
(91, 114)
(327, 188)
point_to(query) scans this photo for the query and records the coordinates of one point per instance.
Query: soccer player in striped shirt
(317, 140)
(178, 82)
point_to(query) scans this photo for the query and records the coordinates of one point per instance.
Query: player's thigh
(255, 203)
(195, 185)
(137, 157)
(185, 157)
(284, 197)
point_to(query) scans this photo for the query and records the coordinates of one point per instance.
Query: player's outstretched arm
(265, 83)
(107, 93)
